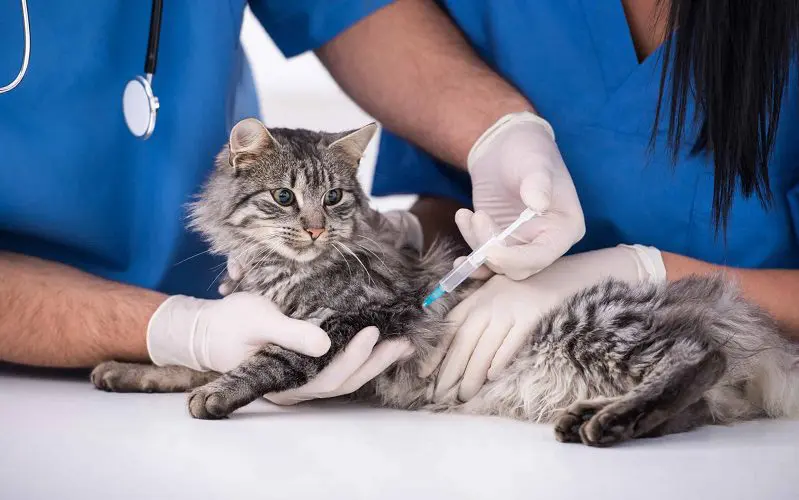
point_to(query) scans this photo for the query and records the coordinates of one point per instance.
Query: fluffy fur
(612, 363)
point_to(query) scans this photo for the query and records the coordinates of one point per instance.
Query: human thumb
(299, 336)
(536, 190)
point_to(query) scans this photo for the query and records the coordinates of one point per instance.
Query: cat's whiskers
(359, 262)
(249, 255)
(261, 256)
(244, 262)
(383, 252)
(333, 244)
(220, 265)
(189, 258)
(216, 278)
(390, 271)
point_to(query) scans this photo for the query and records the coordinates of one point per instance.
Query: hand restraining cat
(613, 362)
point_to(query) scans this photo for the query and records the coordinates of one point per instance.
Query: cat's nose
(315, 232)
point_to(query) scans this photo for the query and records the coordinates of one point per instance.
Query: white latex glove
(359, 363)
(218, 335)
(492, 324)
(516, 164)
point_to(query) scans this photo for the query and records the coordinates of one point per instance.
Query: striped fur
(614, 362)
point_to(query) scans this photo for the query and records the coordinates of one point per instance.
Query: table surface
(60, 438)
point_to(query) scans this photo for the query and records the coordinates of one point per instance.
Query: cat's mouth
(307, 250)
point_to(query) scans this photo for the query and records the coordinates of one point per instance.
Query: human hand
(217, 335)
(514, 165)
(357, 364)
(492, 324)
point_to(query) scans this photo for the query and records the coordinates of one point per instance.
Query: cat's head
(294, 193)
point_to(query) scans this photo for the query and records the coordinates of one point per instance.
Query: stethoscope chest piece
(140, 106)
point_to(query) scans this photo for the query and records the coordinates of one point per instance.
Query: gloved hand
(492, 324)
(219, 334)
(516, 164)
(356, 365)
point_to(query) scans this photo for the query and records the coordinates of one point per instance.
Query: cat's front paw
(211, 402)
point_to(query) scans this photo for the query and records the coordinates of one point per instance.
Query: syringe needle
(475, 259)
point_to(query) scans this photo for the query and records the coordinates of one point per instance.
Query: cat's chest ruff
(275, 283)
(284, 286)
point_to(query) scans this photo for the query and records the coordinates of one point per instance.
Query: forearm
(776, 290)
(409, 67)
(54, 315)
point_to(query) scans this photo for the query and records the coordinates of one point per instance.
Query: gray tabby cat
(614, 362)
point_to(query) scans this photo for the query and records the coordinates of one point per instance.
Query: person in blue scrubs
(715, 188)
(95, 260)
(495, 106)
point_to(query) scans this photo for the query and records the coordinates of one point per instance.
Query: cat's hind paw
(567, 428)
(105, 376)
(583, 422)
(112, 376)
(606, 428)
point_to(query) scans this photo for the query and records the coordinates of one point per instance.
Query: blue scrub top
(575, 61)
(75, 186)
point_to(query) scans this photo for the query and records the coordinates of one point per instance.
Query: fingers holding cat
(217, 335)
(516, 165)
(488, 328)
(234, 275)
(359, 362)
(493, 324)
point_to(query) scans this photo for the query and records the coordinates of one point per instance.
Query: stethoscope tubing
(150, 63)
(26, 54)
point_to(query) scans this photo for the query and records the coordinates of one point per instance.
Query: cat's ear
(353, 145)
(249, 138)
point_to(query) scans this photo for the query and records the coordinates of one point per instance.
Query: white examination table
(62, 439)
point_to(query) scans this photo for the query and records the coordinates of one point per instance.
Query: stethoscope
(139, 103)
(26, 53)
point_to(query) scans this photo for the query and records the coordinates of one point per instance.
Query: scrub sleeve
(306, 24)
(300, 25)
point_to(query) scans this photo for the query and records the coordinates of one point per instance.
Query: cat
(612, 363)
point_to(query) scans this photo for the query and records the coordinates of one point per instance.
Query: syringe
(476, 259)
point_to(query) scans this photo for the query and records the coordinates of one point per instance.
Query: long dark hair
(734, 58)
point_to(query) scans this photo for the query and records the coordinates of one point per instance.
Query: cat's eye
(283, 196)
(332, 197)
